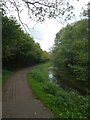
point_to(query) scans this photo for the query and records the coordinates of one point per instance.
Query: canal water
(51, 74)
(52, 78)
(61, 84)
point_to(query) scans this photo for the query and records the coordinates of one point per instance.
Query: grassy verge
(5, 74)
(63, 104)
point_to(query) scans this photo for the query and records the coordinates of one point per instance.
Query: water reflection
(54, 79)
(51, 74)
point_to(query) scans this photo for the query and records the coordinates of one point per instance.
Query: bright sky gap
(44, 33)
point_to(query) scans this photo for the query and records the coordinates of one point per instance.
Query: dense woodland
(70, 54)
(19, 48)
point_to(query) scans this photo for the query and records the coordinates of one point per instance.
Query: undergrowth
(5, 74)
(63, 104)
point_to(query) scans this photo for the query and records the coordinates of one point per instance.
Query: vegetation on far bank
(70, 55)
(63, 104)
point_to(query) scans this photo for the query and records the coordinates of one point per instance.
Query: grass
(5, 74)
(0, 79)
(63, 104)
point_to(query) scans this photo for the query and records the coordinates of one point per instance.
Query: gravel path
(18, 100)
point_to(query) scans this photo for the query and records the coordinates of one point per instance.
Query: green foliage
(70, 52)
(50, 87)
(71, 104)
(63, 104)
(36, 73)
(5, 74)
(19, 49)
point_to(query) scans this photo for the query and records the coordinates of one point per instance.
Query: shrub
(64, 104)
(37, 76)
(50, 87)
(71, 104)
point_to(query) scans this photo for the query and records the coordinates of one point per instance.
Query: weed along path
(18, 100)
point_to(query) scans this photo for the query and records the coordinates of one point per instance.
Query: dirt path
(18, 100)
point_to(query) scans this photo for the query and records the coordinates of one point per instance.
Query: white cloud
(45, 33)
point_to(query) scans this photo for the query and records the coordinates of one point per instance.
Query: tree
(70, 52)
(39, 10)
(19, 48)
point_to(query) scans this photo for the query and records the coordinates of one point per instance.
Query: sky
(44, 33)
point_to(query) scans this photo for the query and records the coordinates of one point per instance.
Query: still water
(51, 74)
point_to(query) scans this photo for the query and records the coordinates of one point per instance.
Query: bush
(50, 87)
(5, 74)
(64, 104)
(71, 104)
(37, 76)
